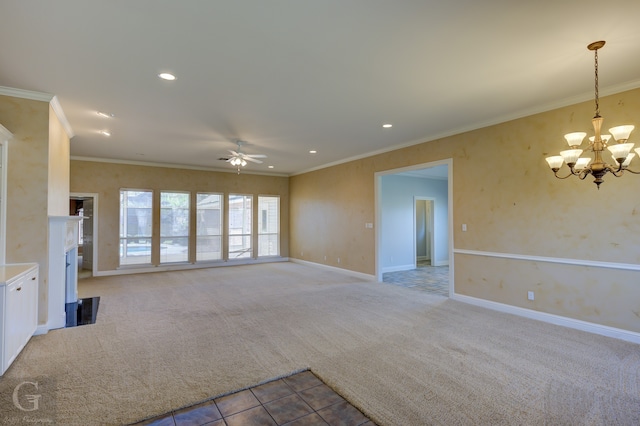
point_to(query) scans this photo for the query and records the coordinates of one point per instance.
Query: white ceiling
(292, 76)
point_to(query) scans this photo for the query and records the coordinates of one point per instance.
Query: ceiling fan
(239, 159)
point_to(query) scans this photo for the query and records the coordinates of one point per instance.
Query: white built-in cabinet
(18, 309)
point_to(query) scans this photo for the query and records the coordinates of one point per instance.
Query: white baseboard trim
(398, 268)
(590, 327)
(41, 329)
(422, 258)
(333, 268)
(128, 270)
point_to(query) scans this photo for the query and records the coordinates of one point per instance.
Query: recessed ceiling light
(105, 132)
(271, 167)
(105, 115)
(387, 126)
(313, 151)
(167, 76)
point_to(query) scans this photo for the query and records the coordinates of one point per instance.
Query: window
(268, 226)
(174, 227)
(240, 234)
(208, 227)
(135, 227)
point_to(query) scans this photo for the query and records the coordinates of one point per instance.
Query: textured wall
(106, 179)
(27, 187)
(511, 203)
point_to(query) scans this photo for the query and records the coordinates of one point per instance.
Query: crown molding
(573, 100)
(57, 109)
(42, 97)
(173, 166)
(26, 94)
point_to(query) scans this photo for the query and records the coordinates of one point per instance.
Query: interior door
(87, 234)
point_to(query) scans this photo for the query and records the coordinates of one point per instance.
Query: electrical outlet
(530, 295)
(464, 227)
(301, 253)
(338, 260)
(325, 258)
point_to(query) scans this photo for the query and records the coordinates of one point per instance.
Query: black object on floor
(82, 312)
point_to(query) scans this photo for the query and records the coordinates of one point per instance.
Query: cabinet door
(30, 300)
(14, 327)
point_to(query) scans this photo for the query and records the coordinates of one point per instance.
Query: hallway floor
(431, 279)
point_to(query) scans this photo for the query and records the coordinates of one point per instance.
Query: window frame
(246, 253)
(220, 235)
(162, 237)
(260, 228)
(124, 248)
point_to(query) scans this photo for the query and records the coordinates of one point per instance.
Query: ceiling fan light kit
(584, 166)
(239, 159)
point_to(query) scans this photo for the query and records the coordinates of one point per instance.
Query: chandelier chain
(596, 84)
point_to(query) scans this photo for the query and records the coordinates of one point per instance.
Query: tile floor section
(300, 399)
(432, 279)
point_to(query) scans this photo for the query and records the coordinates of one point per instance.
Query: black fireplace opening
(82, 312)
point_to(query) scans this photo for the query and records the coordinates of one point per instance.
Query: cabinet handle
(33, 278)
(19, 288)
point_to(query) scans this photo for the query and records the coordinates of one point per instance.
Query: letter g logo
(33, 399)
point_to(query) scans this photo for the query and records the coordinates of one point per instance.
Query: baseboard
(127, 270)
(441, 263)
(398, 268)
(41, 329)
(333, 268)
(421, 258)
(603, 330)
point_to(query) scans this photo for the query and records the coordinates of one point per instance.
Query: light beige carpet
(167, 340)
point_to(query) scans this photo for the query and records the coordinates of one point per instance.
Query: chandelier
(584, 166)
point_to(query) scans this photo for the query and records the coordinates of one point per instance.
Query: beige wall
(505, 193)
(27, 186)
(106, 179)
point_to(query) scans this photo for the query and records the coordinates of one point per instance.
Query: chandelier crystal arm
(628, 170)
(571, 173)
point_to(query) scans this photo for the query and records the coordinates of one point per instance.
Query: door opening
(424, 244)
(85, 205)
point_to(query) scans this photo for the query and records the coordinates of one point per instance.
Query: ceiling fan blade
(235, 154)
(256, 156)
(252, 159)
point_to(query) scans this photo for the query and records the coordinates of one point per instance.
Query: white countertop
(8, 272)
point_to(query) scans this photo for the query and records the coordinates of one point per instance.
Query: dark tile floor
(300, 399)
(432, 279)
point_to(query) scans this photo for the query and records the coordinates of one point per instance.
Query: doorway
(86, 206)
(424, 244)
(414, 216)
